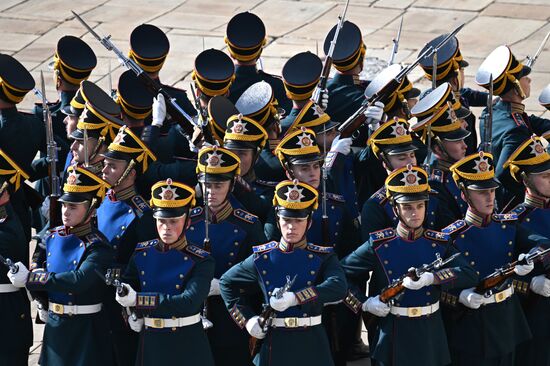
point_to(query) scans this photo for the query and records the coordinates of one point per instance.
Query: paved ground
(31, 28)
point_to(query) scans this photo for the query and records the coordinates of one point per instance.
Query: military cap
(298, 147)
(133, 96)
(295, 199)
(244, 133)
(245, 36)
(349, 50)
(220, 108)
(216, 164)
(544, 97)
(408, 184)
(15, 80)
(82, 185)
(399, 96)
(171, 199)
(301, 73)
(475, 172)
(530, 158)
(214, 72)
(98, 115)
(449, 58)
(392, 138)
(443, 112)
(10, 173)
(149, 47)
(76, 106)
(128, 147)
(312, 116)
(73, 60)
(258, 102)
(505, 69)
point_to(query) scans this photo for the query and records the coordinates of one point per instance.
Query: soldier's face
(525, 83)
(483, 202)
(247, 159)
(455, 149)
(113, 170)
(293, 229)
(401, 160)
(541, 182)
(412, 213)
(70, 124)
(77, 148)
(170, 229)
(217, 192)
(309, 173)
(73, 214)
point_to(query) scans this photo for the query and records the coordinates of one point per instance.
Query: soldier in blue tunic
(232, 232)
(485, 328)
(16, 314)
(76, 331)
(410, 328)
(168, 282)
(295, 335)
(530, 164)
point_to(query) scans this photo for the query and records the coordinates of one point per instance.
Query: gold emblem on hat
(294, 194)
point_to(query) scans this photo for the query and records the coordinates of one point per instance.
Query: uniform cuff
(443, 276)
(306, 295)
(147, 300)
(37, 279)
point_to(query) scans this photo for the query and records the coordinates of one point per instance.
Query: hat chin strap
(519, 89)
(94, 153)
(439, 143)
(532, 187)
(127, 171)
(397, 213)
(386, 160)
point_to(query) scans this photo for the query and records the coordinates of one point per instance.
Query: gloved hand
(342, 146)
(159, 110)
(214, 287)
(541, 285)
(45, 208)
(19, 278)
(322, 97)
(42, 313)
(375, 113)
(375, 306)
(135, 325)
(471, 299)
(286, 301)
(129, 299)
(523, 269)
(426, 279)
(254, 329)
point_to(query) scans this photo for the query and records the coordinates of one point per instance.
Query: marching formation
(264, 220)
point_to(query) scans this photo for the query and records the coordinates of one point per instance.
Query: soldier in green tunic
(168, 281)
(135, 100)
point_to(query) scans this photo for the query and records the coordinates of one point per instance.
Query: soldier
(511, 125)
(231, 234)
(530, 164)
(16, 314)
(170, 303)
(450, 69)
(445, 114)
(294, 336)
(125, 218)
(76, 331)
(135, 100)
(410, 328)
(493, 325)
(245, 37)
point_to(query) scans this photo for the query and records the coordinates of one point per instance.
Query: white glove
(19, 278)
(541, 285)
(159, 110)
(286, 301)
(322, 96)
(426, 279)
(375, 306)
(214, 287)
(523, 269)
(253, 327)
(375, 113)
(342, 146)
(471, 299)
(128, 300)
(135, 325)
(42, 313)
(45, 208)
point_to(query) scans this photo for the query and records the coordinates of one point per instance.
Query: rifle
(322, 84)
(8, 263)
(266, 317)
(357, 119)
(206, 324)
(488, 131)
(173, 108)
(112, 278)
(112, 92)
(494, 282)
(532, 59)
(429, 127)
(51, 155)
(395, 41)
(203, 112)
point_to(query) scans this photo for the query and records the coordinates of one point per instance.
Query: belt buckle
(58, 309)
(291, 322)
(414, 312)
(157, 323)
(500, 297)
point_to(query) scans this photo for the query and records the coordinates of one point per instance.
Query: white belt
(296, 322)
(172, 322)
(414, 312)
(8, 287)
(499, 296)
(74, 309)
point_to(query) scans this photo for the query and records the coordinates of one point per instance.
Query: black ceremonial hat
(15, 80)
(301, 74)
(245, 36)
(149, 47)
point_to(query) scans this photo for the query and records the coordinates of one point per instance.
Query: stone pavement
(30, 29)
